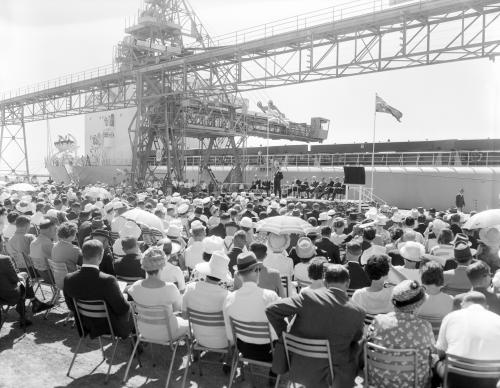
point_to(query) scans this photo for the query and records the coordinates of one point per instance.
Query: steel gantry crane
(185, 84)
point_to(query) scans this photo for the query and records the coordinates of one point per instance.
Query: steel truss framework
(173, 95)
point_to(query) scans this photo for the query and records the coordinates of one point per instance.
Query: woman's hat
(381, 220)
(246, 262)
(305, 249)
(216, 267)
(246, 222)
(397, 217)
(212, 244)
(278, 242)
(323, 216)
(408, 296)
(438, 225)
(169, 247)
(412, 251)
(182, 209)
(197, 225)
(462, 252)
(490, 236)
(25, 207)
(153, 259)
(173, 231)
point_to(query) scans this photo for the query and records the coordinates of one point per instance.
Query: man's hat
(246, 262)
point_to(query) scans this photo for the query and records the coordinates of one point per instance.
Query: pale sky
(46, 39)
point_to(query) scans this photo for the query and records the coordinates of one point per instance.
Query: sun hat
(274, 205)
(182, 209)
(490, 236)
(212, 244)
(52, 213)
(197, 225)
(323, 216)
(153, 259)
(412, 251)
(216, 267)
(331, 212)
(246, 262)
(438, 225)
(397, 217)
(174, 231)
(296, 213)
(381, 220)
(305, 249)
(246, 222)
(25, 206)
(408, 296)
(278, 242)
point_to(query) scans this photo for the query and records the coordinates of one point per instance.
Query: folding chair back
(59, 272)
(305, 347)
(478, 369)
(129, 279)
(285, 282)
(369, 318)
(152, 315)
(92, 309)
(395, 360)
(454, 291)
(434, 321)
(200, 318)
(350, 292)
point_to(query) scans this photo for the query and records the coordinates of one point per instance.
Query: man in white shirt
(472, 332)
(248, 304)
(194, 252)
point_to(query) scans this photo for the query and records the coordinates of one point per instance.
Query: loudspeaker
(354, 175)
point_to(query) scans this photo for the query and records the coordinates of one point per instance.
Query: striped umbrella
(283, 225)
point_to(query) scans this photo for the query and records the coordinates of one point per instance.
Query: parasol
(97, 192)
(283, 225)
(483, 219)
(22, 187)
(145, 217)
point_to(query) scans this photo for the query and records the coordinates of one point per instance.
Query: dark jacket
(358, 276)
(107, 264)
(91, 284)
(233, 254)
(129, 266)
(341, 324)
(10, 291)
(330, 248)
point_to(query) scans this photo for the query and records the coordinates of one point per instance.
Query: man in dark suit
(89, 283)
(278, 177)
(239, 242)
(460, 200)
(341, 324)
(130, 264)
(332, 251)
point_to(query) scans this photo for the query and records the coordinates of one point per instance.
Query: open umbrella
(483, 219)
(97, 192)
(22, 187)
(283, 225)
(142, 216)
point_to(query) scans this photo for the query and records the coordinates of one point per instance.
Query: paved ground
(40, 358)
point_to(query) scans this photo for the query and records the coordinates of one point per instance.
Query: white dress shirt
(248, 304)
(194, 254)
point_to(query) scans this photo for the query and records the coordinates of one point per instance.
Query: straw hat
(278, 242)
(408, 296)
(212, 244)
(305, 249)
(246, 222)
(412, 251)
(216, 267)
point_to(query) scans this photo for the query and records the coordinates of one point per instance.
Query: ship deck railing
(389, 159)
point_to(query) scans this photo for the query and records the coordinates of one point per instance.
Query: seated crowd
(396, 280)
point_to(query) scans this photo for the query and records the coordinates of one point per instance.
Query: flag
(382, 106)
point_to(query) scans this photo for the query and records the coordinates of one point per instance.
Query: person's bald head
(474, 297)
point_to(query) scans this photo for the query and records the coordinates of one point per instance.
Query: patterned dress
(399, 330)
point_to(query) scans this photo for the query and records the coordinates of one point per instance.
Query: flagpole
(373, 143)
(267, 150)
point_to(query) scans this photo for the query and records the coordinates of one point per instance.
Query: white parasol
(283, 225)
(145, 217)
(483, 219)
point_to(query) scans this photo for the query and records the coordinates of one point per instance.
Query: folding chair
(4, 310)
(94, 309)
(285, 280)
(454, 291)
(395, 360)
(207, 320)
(35, 280)
(58, 272)
(350, 292)
(479, 369)
(129, 279)
(434, 321)
(257, 330)
(305, 347)
(157, 316)
(369, 318)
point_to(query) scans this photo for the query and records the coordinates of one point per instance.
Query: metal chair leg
(116, 341)
(102, 348)
(53, 301)
(234, 366)
(130, 360)
(74, 356)
(186, 370)
(171, 364)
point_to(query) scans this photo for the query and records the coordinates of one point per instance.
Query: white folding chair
(305, 347)
(256, 330)
(199, 319)
(58, 272)
(157, 316)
